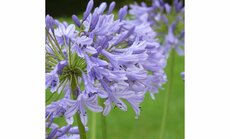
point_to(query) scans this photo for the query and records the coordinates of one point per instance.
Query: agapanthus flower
(65, 132)
(101, 58)
(167, 20)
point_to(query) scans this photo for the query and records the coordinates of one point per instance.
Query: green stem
(103, 127)
(94, 123)
(169, 91)
(103, 124)
(81, 127)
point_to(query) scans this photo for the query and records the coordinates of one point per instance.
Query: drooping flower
(79, 105)
(64, 34)
(52, 81)
(65, 132)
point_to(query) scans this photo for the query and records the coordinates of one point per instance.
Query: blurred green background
(123, 125)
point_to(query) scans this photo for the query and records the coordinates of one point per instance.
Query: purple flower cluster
(163, 18)
(99, 58)
(65, 132)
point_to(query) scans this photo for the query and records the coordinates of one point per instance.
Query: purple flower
(76, 20)
(125, 35)
(172, 41)
(59, 67)
(111, 7)
(178, 6)
(102, 8)
(58, 109)
(88, 10)
(109, 59)
(89, 87)
(127, 58)
(105, 26)
(116, 92)
(122, 12)
(83, 44)
(49, 22)
(65, 33)
(79, 106)
(135, 101)
(94, 20)
(52, 133)
(167, 8)
(65, 132)
(159, 15)
(52, 81)
(137, 11)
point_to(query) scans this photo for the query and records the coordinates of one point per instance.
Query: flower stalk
(81, 127)
(168, 92)
(103, 126)
(75, 95)
(94, 123)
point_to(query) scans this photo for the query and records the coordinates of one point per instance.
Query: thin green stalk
(168, 92)
(103, 124)
(94, 123)
(81, 127)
